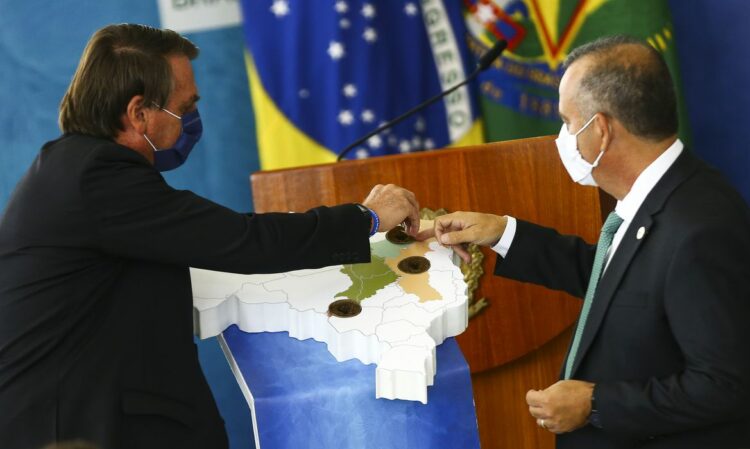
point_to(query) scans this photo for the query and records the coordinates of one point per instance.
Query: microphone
(484, 62)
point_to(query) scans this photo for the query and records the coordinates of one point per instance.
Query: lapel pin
(641, 233)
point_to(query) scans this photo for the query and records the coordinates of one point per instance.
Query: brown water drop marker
(414, 265)
(398, 236)
(344, 308)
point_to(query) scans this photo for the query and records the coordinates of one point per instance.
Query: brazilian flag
(519, 93)
(325, 72)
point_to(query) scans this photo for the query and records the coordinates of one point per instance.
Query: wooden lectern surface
(519, 341)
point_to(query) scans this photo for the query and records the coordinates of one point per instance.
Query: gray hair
(628, 80)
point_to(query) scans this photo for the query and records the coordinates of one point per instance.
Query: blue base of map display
(304, 398)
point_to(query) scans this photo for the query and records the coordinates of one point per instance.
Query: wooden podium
(519, 341)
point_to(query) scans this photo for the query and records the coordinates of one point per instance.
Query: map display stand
(401, 315)
(408, 300)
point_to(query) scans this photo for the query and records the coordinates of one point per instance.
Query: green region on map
(367, 278)
(386, 249)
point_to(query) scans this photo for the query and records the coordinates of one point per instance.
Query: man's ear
(135, 115)
(603, 125)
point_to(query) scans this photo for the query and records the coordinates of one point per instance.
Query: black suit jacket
(96, 311)
(667, 339)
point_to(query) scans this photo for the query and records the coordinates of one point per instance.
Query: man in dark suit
(96, 314)
(659, 358)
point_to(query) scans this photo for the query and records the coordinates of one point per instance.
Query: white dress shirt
(626, 208)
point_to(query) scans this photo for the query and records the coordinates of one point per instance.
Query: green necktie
(609, 229)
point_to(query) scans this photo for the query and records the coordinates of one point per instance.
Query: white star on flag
(344, 23)
(368, 116)
(429, 144)
(349, 90)
(346, 117)
(375, 141)
(392, 141)
(416, 142)
(419, 125)
(280, 8)
(341, 7)
(336, 50)
(485, 14)
(370, 35)
(368, 10)
(362, 153)
(404, 146)
(304, 93)
(411, 9)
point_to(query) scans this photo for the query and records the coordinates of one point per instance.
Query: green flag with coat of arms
(519, 92)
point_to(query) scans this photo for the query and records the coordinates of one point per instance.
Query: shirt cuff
(503, 245)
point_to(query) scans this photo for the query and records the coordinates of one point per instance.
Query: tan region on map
(417, 284)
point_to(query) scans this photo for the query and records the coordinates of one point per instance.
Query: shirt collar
(628, 206)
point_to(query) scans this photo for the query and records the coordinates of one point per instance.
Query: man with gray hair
(659, 356)
(96, 317)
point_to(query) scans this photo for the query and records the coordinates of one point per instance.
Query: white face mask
(577, 167)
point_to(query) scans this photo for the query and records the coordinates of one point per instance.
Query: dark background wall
(713, 41)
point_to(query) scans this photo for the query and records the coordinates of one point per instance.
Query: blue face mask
(171, 158)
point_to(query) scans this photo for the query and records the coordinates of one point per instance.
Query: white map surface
(403, 318)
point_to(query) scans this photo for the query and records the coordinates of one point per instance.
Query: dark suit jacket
(96, 310)
(667, 339)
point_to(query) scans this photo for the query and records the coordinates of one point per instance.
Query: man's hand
(461, 228)
(394, 205)
(563, 407)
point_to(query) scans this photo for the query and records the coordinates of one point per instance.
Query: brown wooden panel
(500, 398)
(523, 178)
